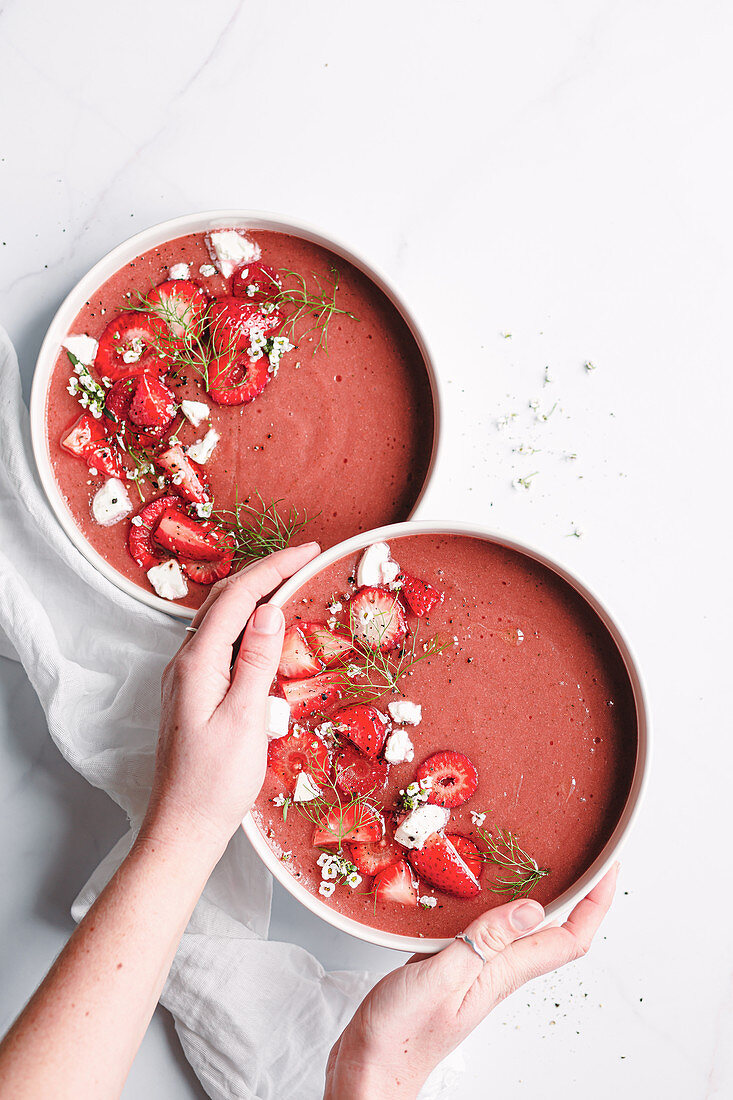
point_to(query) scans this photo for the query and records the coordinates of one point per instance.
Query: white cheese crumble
(399, 748)
(195, 411)
(420, 824)
(376, 566)
(202, 451)
(405, 712)
(207, 270)
(233, 248)
(277, 717)
(111, 503)
(168, 580)
(179, 271)
(134, 352)
(305, 788)
(83, 348)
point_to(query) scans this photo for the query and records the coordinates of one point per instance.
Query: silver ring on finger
(469, 943)
(191, 629)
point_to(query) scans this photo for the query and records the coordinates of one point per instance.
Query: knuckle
(492, 938)
(256, 660)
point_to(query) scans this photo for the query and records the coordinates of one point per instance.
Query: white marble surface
(561, 172)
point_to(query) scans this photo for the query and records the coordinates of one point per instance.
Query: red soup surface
(528, 730)
(338, 427)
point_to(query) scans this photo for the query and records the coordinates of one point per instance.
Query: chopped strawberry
(308, 697)
(439, 863)
(299, 751)
(396, 884)
(468, 852)
(349, 821)
(377, 618)
(298, 660)
(420, 596)
(153, 404)
(365, 726)
(357, 774)
(331, 647)
(104, 458)
(208, 572)
(139, 540)
(119, 397)
(256, 281)
(454, 777)
(187, 538)
(181, 306)
(185, 478)
(233, 321)
(235, 379)
(131, 343)
(369, 859)
(87, 439)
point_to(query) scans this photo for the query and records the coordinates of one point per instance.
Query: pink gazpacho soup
(452, 726)
(228, 393)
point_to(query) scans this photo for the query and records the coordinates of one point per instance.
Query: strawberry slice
(235, 379)
(370, 859)
(186, 479)
(187, 538)
(299, 751)
(357, 774)
(131, 343)
(208, 572)
(87, 439)
(153, 403)
(256, 281)
(297, 660)
(232, 322)
(439, 863)
(377, 618)
(181, 306)
(365, 726)
(105, 459)
(454, 777)
(308, 697)
(330, 647)
(350, 821)
(396, 884)
(468, 852)
(420, 596)
(139, 540)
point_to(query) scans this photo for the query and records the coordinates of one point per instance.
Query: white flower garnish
(326, 889)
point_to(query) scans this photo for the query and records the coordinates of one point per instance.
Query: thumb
(258, 658)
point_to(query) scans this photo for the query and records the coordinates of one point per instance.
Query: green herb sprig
(520, 871)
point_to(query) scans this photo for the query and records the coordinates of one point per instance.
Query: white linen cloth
(256, 1018)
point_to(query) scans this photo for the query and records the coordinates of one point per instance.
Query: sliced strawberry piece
(332, 648)
(357, 774)
(104, 458)
(298, 660)
(468, 852)
(187, 538)
(83, 433)
(299, 751)
(420, 596)
(370, 859)
(232, 321)
(185, 478)
(454, 777)
(153, 403)
(365, 726)
(307, 697)
(396, 884)
(119, 397)
(181, 306)
(439, 863)
(208, 572)
(377, 618)
(257, 282)
(130, 344)
(235, 379)
(140, 538)
(351, 821)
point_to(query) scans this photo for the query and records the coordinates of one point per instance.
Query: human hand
(416, 1015)
(212, 746)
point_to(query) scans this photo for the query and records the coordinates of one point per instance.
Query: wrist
(181, 835)
(367, 1076)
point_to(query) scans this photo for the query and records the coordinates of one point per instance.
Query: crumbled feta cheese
(195, 411)
(477, 818)
(202, 451)
(334, 607)
(399, 748)
(168, 580)
(232, 248)
(405, 712)
(134, 352)
(111, 503)
(305, 789)
(277, 717)
(420, 824)
(179, 271)
(207, 270)
(83, 348)
(376, 566)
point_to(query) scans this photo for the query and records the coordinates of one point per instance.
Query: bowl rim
(111, 262)
(639, 783)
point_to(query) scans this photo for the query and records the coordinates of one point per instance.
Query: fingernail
(527, 915)
(267, 619)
